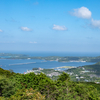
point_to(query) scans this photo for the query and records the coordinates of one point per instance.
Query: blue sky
(50, 25)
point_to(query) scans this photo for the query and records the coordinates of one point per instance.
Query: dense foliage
(40, 87)
(95, 68)
(7, 73)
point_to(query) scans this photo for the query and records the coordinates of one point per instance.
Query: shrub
(63, 77)
(7, 87)
(27, 94)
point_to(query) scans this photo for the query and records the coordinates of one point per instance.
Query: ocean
(62, 54)
(22, 65)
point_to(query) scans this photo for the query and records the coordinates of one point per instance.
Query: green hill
(94, 68)
(40, 87)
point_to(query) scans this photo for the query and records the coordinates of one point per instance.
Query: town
(76, 73)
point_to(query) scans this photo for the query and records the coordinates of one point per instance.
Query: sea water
(22, 65)
(62, 54)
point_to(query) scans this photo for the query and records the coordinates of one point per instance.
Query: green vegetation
(7, 73)
(94, 68)
(48, 71)
(88, 73)
(14, 86)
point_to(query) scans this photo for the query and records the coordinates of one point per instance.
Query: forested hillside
(87, 73)
(14, 86)
(94, 68)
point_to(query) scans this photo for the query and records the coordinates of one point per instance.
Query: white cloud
(57, 27)
(82, 12)
(33, 42)
(25, 29)
(95, 23)
(1, 30)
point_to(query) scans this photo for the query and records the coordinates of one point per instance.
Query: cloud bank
(25, 29)
(82, 12)
(57, 27)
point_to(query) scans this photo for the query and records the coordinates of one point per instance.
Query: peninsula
(50, 58)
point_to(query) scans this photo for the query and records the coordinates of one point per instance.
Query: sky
(50, 25)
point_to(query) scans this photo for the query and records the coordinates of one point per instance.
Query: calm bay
(22, 65)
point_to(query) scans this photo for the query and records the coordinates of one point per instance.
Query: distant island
(50, 58)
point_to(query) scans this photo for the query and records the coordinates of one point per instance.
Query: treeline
(14, 86)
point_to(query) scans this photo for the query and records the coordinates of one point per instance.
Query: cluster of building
(53, 74)
(57, 73)
(39, 70)
(35, 71)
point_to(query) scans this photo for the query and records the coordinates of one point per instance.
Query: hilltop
(31, 86)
